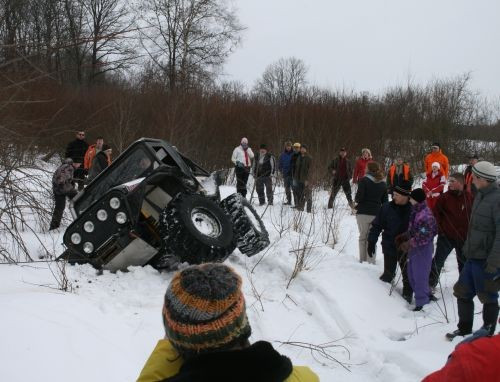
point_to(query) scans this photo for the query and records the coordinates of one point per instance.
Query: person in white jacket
(243, 159)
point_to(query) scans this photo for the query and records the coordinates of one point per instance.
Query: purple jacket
(423, 227)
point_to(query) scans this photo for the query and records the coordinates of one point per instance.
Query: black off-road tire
(249, 232)
(183, 239)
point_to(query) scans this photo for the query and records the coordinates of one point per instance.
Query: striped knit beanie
(204, 309)
(485, 170)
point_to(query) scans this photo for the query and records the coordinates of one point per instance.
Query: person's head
(99, 142)
(144, 163)
(375, 169)
(401, 193)
(263, 149)
(204, 310)
(399, 161)
(296, 147)
(483, 174)
(80, 135)
(436, 166)
(303, 149)
(244, 143)
(417, 196)
(435, 147)
(456, 182)
(366, 153)
(342, 152)
(473, 159)
(288, 146)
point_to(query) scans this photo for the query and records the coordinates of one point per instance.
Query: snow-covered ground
(105, 329)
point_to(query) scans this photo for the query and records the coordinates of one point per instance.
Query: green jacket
(483, 237)
(302, 168)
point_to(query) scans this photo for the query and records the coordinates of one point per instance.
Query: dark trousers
(304, 195)
(261, 183)
(79, 177)
(346, 186)
(295, 190)
(60, 205)
(444, 247)
(288, 181)
(474, 281)
(392, 258)
(241, 180)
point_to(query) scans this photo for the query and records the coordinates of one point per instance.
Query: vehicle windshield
(138, 164)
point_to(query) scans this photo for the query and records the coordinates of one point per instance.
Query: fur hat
(403, 189)
(436, 164)
(485, 170)
(418, 195)
(204, 309)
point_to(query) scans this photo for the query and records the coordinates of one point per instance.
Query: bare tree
(188, 39)
(107, 28)
(282, 81)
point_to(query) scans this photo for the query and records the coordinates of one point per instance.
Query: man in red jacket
(475, 361)
(452, 212)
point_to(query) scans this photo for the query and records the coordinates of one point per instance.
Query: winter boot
(490, 316)
(386, 278)
(418, 308)
(456, 333)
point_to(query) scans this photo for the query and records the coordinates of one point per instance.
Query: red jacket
(360, 169)
(452, 212)
(476, 361)
(434, 184)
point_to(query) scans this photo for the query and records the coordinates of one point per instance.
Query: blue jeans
(474, 281)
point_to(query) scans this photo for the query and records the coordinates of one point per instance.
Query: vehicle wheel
(195, 230)
(249, 231)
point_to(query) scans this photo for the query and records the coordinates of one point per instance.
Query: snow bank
(106, 328)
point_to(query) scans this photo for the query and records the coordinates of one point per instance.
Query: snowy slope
(106, 328)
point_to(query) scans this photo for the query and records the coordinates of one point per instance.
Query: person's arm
(234, 157)
(280, 162)
(446, 166)
(493, 260)
(273, 165)
(378, 225)
(360, 194)
(384, 198)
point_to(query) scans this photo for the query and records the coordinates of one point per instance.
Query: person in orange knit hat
(207, 333)
(436, 155)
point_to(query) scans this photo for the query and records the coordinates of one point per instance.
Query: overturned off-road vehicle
(154, 206)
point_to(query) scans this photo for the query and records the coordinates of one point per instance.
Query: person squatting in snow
(434, 184)
(264, 171)
(480, 275)
(418, 242)
(207, 332)
(242, 159)
(371, 194)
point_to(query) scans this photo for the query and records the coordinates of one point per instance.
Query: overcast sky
(370, 45)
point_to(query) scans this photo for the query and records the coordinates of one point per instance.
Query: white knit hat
(436, 164)
(485, 170)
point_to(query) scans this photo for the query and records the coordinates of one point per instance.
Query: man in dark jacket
(341, 169)
(481, 273)
(62, 188)
(392, 220)
(265, 167)
(76, 150)
(99, 163)
(452, 212)
(285, 167)
(301, 178)
(293, 162)
(399, 173)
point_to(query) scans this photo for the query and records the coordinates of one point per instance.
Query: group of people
(82, 163)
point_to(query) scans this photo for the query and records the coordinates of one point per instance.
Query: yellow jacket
(164, 362)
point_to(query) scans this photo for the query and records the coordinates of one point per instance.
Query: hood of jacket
(259, 362)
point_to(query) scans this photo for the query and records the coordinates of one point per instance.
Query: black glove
(371, 248)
